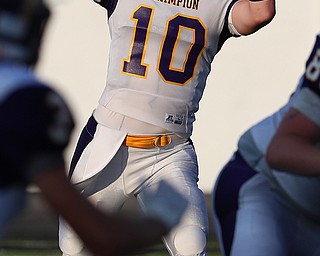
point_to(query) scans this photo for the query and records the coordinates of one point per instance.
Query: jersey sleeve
(308, 103)
(228, 28)
(312, 71)
(109, 5)
(308, 100)
(36, 127)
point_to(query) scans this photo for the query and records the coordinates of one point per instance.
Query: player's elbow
(264, 16)
(258, 19)
(271, 161)
(272, 157)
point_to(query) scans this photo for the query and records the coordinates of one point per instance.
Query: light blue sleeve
(308, 103)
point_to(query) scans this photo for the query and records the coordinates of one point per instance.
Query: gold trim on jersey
(129, 59)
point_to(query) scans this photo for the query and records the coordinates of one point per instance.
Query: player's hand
(166, 203)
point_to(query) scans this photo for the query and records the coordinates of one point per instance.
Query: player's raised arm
(249, 16)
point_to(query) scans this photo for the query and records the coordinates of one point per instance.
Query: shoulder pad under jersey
(312, 72)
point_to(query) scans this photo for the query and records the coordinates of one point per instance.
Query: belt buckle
(162, 140)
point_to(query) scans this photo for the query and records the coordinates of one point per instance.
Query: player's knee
(69, 242)
(71, 246)
(190, 240)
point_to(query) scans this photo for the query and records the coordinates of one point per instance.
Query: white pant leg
(263, 224)
(105, 191)
(133, 170)
(179, 168)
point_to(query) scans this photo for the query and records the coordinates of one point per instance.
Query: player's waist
(139, 134)
(159, 113)
(118, 121)
(152, 141)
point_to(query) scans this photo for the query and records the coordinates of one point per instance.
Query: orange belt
(140, 141)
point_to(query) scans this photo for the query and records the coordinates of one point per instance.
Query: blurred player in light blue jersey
(35, 128)
(261, 211)
(139, 134)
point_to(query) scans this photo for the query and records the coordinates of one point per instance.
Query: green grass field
(34, 233)
(50, 248)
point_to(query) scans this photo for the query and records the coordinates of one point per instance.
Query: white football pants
(137, 172)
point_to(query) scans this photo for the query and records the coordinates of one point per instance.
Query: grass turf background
(34, 232)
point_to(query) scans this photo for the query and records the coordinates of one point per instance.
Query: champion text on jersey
(190, 4)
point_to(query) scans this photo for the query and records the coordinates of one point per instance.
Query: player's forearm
(137, 233)
(76, 210)
(295, 155)
(249, 16)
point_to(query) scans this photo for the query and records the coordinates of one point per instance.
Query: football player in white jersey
(160, 56)
(258, 210)
(35, 129)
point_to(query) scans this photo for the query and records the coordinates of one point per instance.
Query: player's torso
(160, 56)
(254, 142)
(304, 191)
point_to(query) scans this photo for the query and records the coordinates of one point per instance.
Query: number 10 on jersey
(134, 65)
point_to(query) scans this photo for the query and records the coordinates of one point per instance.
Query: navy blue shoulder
(32, 119)
(312, 72)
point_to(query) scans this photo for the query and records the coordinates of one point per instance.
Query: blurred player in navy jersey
(274, 209)
(139, 134)
(35, 129)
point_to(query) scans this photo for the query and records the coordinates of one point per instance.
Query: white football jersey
(254, 142)
(160, 56)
